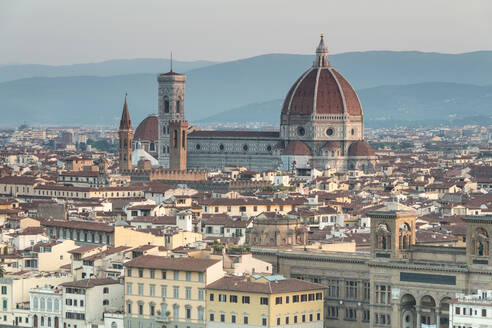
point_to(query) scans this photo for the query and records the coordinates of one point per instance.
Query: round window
(245, 147)
(197, 146)
(329, 131)
(269, 148)
(301, 131)
(221, 147)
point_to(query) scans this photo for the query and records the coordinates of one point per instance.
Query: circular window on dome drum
(269, 148)
(221, 147)
(197, 146)
(245, 147)
(301, 131)
(329, 131)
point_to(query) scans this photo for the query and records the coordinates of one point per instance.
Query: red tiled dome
(360, 148)
(298, 148)
(322, 90)
(148, 129)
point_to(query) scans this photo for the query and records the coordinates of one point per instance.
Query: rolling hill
(391, 86)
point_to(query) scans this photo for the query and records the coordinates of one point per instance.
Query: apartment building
(163, 290)
(264, 301)
(86, 301)
(474, 311)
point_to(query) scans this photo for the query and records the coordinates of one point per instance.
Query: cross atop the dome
(321, 54)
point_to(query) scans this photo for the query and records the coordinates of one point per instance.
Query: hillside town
(83, 245)
(318, 223)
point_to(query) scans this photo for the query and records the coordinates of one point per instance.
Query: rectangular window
(129, 272)
(163, 291)
(212, 317)
(295, 318)
(140, 273)
(163, 273)
(222, 298)
(140, 289)
(222, 317)
(311, 297)
(152, 274)
(129, 308)
(188, 293)
(245, 299)
(264, 300)
(200, 276)
(319, 296)
(278, 321)
(176, 275)
(176, 291)
(278, 300)
(152, 290)
(188, 276)
(245, 320)
(457, 310)
(287, 299)
(351, 289)
(200, 294)
(212, 297)
(304, 298)
(129, 288)
(287, 320)
(334, 288)
(4, 290)
(484, 312)
(233, 318)
(264, 321)
(233, 298)
(350, 314)
(295, 299)
(367, 291)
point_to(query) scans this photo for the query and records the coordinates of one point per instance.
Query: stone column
(419, 319)
(438, 318)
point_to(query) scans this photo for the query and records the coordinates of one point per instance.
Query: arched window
(35, 303)
(106, 290)
(43, 304)
(114, 325)
(175, 138)
(383, 237)
(183, 139)
(405, 236)
(166, 105)
(178, 106)
(480, 242)
(105, 302)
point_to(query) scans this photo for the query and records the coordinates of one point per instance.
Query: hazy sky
(64, 32)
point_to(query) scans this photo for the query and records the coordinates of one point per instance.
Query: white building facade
(471, 311)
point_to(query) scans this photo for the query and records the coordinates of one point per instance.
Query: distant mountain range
(394, 87)
(414, 104)
(105, 68)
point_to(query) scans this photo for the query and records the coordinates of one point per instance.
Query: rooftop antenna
(171, 61)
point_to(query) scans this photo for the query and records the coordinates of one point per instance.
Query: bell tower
(126, 136)
(178, 145)
(171, 108)
(392, 231)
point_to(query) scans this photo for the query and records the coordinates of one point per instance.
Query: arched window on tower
(405, 236)
(166, 105)
(383, 237)
(183, 139)
(175, 138)
(480, 242)
(178, 106)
